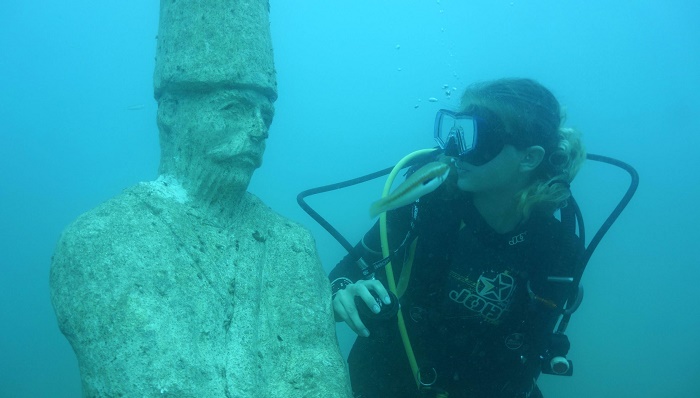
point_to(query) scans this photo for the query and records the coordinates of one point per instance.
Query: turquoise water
(77, 121)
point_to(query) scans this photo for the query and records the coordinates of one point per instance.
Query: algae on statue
(189, 286)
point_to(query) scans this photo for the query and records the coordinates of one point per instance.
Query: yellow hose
(389, 270)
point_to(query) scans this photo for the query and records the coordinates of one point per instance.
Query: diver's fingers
(345, 310)
(379, 289)
(364, 289)
(345, 307)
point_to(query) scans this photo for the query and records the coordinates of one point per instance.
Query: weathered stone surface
(188, 286)
(214, 42)
(159, 301)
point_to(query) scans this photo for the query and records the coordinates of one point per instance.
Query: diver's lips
(462, 167)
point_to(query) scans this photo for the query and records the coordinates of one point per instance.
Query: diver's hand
(344, 303)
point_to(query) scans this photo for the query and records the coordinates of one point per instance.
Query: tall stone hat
(205, 44)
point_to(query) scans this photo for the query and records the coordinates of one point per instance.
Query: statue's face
(223, 132)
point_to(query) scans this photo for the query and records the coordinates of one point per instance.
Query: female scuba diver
(479, 261)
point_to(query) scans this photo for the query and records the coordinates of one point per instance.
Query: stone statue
(188, 286)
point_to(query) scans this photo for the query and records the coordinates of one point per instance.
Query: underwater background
(359, 84)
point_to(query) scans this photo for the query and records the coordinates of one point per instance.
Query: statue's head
(215, 85)
(215, 136)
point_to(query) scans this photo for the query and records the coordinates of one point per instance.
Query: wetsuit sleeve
(350, 266)
(368, 251)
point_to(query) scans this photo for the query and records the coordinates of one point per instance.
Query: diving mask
(468, 137)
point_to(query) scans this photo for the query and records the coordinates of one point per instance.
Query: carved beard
(222, 184)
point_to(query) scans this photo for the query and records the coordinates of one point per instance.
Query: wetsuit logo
(514, 341)
(490, 297)
(517, 239)
(497, 288)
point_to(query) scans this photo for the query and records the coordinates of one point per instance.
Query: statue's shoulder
(136, 211)
(255, 207)
(276, 224)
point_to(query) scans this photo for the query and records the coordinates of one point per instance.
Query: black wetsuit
(468, 310)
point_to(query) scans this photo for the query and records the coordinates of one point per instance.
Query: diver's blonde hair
(550, 189)
(528, 114)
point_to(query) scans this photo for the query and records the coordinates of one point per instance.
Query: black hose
(576, 294)
(326, 188)
(634, 183)
(322, 221)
